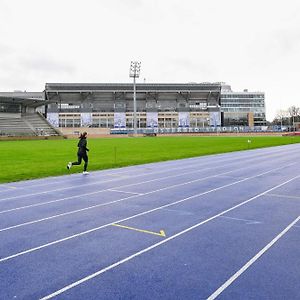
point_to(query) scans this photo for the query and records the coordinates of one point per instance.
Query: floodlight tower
(135, 69)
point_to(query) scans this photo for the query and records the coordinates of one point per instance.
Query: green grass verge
(22, 160)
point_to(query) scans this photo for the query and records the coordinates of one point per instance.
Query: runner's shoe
(69, 165)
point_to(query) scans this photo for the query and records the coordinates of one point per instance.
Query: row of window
(241, 101)
(243, 105)
(242, 96)
(245, 110)
(166, 107)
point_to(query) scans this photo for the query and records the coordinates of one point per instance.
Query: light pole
(135, 69)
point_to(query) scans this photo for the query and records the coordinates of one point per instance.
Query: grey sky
(247, 44)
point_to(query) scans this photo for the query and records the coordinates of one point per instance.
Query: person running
(81, 154)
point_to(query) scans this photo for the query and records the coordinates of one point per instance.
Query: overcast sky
(247, 44)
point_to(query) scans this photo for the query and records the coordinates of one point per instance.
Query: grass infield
(21, 160)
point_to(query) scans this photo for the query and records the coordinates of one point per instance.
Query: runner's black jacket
(82, 146)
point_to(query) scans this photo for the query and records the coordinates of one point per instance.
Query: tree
(281, 116)
(293, 112)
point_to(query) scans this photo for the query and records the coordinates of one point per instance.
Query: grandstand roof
(32, 99)
(127, 87)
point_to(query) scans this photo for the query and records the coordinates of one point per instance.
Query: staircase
(40, 125)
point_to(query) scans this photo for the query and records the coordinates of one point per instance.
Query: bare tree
(293, 112)
(281, 115)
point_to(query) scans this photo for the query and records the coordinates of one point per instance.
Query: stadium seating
(33, 124)
(39, 124)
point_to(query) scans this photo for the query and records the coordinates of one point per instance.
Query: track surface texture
(222, 226)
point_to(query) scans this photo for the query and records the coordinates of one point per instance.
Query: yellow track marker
(161, 232)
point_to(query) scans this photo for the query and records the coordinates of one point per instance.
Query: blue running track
(222, 226)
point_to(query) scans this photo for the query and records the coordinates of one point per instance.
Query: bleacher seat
(25, 125)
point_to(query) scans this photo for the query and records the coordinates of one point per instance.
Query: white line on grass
(251, 261)
(74, 284)
(126, 198)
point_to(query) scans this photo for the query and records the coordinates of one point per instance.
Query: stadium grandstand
(104, 108)
(110, 106)
(20, 116)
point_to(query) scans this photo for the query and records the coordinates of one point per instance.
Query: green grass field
(22, 160)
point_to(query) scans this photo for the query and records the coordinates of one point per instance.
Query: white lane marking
(112, 180)
(126, 198)
(187, 166)
(5, 189)
(243, 220)
(234, 177)
(144, 213)
(251, 261)
(172, 163)
(238, 155)
(117, 179)
(120, 171)
(122, 186)
(284, 196)
(118, 191)
(127, 185)
(179, 211)
(68, 287)
(118, 175)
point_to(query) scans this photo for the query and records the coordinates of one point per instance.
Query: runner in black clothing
(81, 154)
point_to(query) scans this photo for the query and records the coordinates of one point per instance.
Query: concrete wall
(74, 132)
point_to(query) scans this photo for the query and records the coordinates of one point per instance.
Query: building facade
(167, 106)
(111, 105)
(242, 108)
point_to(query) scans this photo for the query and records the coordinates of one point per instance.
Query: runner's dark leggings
(82, 156)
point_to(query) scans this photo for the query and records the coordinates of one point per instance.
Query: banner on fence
(53, 119)
(183, 119)
(152, 119)
(119, 120)
(86, 119)
(215, 119)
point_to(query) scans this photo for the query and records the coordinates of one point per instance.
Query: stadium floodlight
(135, 69)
